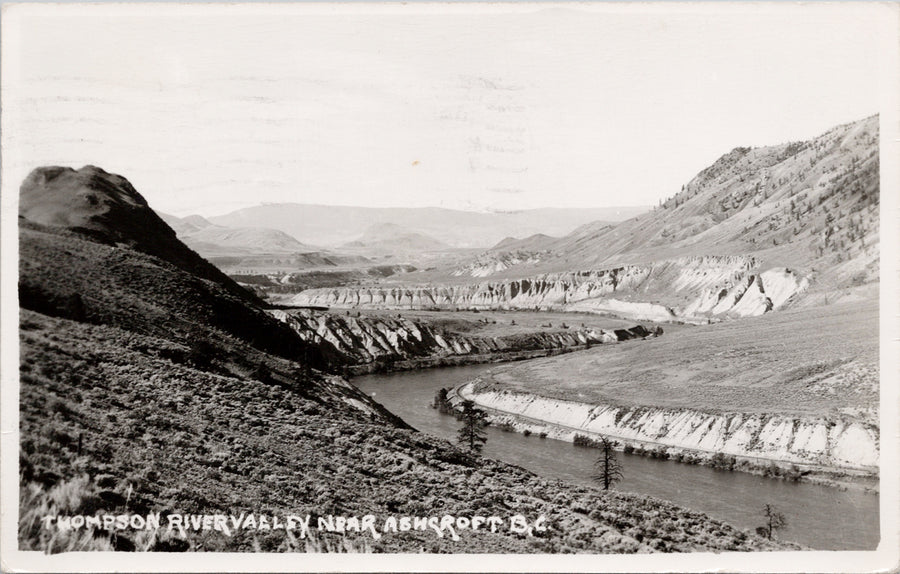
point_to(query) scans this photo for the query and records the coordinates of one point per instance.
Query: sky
(210, 108)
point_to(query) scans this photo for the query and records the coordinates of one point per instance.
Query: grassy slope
(190, 441)
(119, 286)
(122, 411)
(814, 361)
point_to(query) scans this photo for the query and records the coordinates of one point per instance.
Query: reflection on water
(820, 517)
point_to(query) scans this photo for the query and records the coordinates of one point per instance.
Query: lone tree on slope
(607, 470)
(472, 435)
(774, 521)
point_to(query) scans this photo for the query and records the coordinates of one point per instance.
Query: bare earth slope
(807, 205)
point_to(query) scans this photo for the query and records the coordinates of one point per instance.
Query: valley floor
(817, 361)
(798, 386)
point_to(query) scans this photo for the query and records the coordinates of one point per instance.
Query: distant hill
(392, 239)
(211, 240)
(338, 225)
(536, 242)
(184, 226)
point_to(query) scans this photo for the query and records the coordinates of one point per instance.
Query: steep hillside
(808, 205)
(106, 208)
(146, 388)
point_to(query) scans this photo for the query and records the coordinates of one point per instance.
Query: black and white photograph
(598, 286)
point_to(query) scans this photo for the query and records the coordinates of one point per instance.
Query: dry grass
(813, 361)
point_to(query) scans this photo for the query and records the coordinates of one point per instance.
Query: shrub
(262, 373)
(586, 441)
(723, 461)
(201, 352)
(793, 473)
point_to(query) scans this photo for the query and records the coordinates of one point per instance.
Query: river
(820, 517)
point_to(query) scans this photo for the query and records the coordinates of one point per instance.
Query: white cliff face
(781, 438)
(704, 286)
(362, 340)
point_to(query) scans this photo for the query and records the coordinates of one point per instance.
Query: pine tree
(472, 434)
(607, 471)
(774, 521)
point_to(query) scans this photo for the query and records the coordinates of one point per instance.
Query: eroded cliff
(685, 289)
(389, 341)
(819, 441)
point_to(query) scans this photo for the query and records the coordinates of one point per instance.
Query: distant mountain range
(334, 226)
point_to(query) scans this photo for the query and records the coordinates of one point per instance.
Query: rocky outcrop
(808, 440)
(366, 340)
(686, 289)
(489, 262)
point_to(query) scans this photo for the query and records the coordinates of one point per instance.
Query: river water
(820, 517)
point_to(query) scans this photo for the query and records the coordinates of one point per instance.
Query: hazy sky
(209, 108)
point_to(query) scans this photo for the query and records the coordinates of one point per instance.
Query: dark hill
(65, 274)
(92, 250)
(106, 208)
